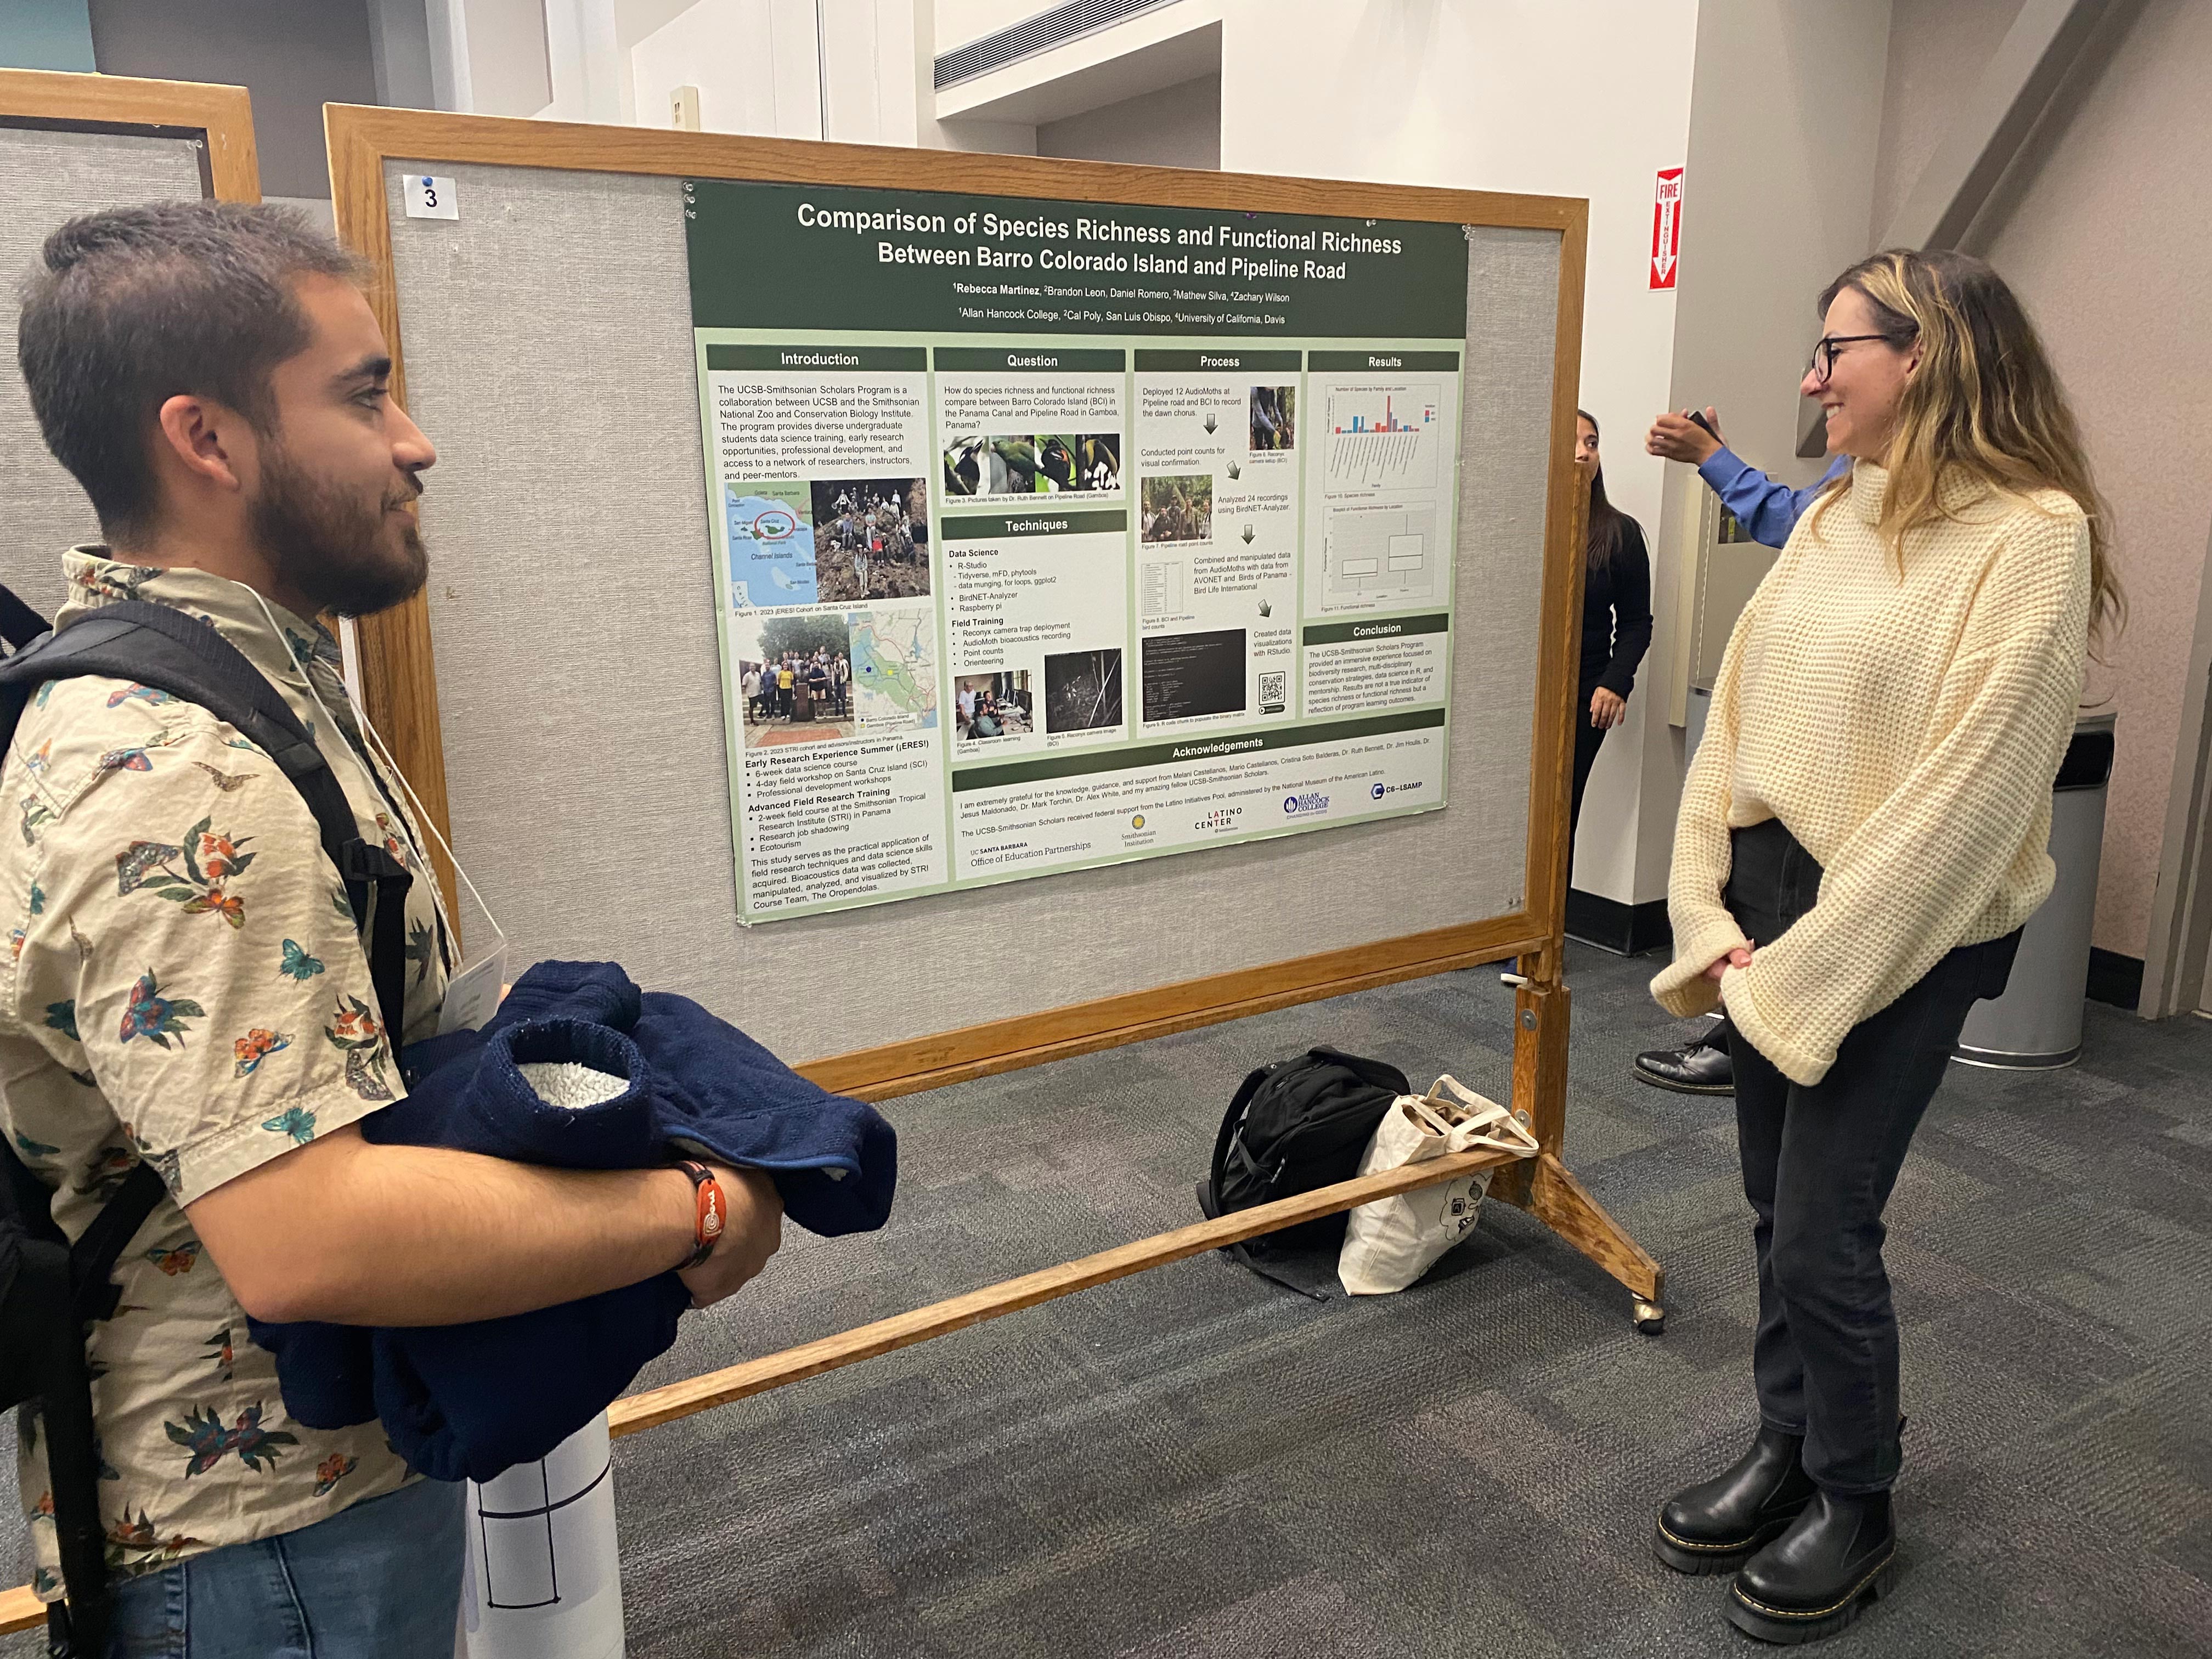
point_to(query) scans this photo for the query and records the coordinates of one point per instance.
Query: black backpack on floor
(51, 1289)
(1294, 1126)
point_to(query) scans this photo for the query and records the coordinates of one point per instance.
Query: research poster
(1049, 535)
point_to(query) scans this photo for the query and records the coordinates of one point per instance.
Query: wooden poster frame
(400, 680)
(221, 119)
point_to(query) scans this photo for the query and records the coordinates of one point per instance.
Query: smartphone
(1697, 419)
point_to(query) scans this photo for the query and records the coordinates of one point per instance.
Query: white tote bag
(1391, 1242)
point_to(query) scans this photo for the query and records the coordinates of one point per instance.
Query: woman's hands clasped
(1739, 958)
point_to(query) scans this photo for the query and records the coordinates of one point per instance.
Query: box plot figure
(1378, 554)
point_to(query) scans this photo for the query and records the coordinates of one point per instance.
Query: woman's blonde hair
(1984, 404)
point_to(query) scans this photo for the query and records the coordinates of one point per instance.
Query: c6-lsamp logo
(1304, 805)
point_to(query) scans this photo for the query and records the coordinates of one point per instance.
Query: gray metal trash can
(2037, 1023)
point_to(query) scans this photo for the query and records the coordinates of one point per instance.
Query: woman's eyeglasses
(1823, 362)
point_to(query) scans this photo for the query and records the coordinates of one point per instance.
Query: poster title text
(1074, 244)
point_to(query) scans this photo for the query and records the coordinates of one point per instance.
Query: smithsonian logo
(1303, 806)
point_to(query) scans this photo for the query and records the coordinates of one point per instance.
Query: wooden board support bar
(21, 1610)
(698, 1393)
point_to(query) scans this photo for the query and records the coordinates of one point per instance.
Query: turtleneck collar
(1870, 490)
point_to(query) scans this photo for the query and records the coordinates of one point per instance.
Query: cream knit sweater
(1906, 731)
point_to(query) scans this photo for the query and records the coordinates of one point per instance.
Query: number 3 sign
(429, 198)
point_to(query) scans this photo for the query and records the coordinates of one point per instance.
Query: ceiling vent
(1041, 32)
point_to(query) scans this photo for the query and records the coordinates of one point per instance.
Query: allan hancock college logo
(1298, 806)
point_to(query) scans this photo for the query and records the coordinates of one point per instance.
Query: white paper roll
(544, 1569)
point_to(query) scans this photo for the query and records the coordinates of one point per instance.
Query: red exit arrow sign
(1667, 227)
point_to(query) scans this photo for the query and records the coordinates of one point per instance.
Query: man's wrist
(675, 1206)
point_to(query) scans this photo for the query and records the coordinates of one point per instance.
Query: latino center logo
(1220, 819)
(1304, 806)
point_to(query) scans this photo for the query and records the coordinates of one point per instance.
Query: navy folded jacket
(476, 1399)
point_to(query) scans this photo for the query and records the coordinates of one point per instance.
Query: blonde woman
(1862, 836)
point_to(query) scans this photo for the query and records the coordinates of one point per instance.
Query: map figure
(894, 668)
(771, 553)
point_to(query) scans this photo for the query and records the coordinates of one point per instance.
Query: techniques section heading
(828, 255)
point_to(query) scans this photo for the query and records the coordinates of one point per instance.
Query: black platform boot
(1815, 1578)
(1719, 1524)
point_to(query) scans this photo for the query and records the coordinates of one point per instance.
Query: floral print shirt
(184, 985)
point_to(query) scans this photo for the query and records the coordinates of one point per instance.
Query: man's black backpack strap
(19, 623)
(159, 647)
(49, 1290)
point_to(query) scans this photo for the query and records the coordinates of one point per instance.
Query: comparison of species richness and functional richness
(1110, 533)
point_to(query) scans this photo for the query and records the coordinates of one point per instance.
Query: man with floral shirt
(185, 983)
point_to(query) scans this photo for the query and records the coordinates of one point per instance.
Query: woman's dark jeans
(1818, 1167)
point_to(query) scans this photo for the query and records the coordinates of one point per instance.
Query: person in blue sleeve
(1768, 509)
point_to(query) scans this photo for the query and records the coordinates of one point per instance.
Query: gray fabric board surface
(46, 179)
(547, 339)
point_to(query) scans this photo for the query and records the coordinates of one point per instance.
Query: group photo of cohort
(797, 686)
(871, 539)
(1177, 508)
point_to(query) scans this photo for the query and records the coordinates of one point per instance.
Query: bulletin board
(556, 694)
(72, 144)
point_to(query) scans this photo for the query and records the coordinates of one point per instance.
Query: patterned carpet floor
(1195, 1462)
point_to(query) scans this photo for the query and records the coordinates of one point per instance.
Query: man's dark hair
(135, 306)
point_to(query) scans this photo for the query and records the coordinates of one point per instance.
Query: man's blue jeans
(381, 1580)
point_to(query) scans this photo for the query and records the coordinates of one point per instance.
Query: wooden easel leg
(1561, 1203)
(1543, 1185)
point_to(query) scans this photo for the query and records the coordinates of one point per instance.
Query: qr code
(1271, 693)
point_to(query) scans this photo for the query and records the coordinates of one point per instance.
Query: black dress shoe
(1815, 1578)
(1717, 1525)
(1702, 1067)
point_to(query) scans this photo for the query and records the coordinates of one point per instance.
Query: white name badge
(472, 995)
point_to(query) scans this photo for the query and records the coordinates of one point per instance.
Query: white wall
(2102, 232)
(1785, 123)
(1177, 126)
(755, 64)
(1480, 97)
(1937, 51)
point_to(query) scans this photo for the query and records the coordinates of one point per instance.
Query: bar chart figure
(1381, 436)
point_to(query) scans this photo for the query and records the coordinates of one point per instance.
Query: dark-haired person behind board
(1616, 614)
(1862, 834)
